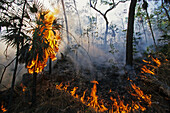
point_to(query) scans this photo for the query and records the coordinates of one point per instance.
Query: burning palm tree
(44, 45)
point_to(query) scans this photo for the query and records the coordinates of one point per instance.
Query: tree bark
(65, 16)
(34, 89)
(50, 66)
(129, 36)
(106, 32)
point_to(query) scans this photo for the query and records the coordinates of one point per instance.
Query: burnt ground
(52, 100)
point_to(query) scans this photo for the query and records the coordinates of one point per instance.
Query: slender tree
(17, 38)
(166, 11)
(145, 6)
(129, 36)
(66, 22)
(113, 5)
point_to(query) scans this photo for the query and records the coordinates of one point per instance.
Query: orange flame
(50, 36)
(119, 106)
(82, 98)
(23, 87)
(73, 91)
(3, 109)
(59, 86)
(141, 94)
(156, 61)
(146, 70)
(94, 99)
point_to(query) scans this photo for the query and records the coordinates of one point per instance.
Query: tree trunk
(13, 79)
(144, 32)
(50, 66)
(16, 62)
(106, 32)
(166, 11)
(68, 40)
(150, 26)
(129, 36)
(34, 89)
(78, 16)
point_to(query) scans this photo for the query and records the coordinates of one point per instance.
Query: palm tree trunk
(34, 89)
(50, 66)
(129, 36)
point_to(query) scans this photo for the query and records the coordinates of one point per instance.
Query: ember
(23, 87)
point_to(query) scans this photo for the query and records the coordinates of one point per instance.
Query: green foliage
(149, 51)
(113, 49)
(107, 2)
(11, 23)
(165, 49)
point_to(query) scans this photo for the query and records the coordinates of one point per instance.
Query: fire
(148, 69)
(46, 33)
(140, 94)
(91, 101)
(59, 86)
(82, 98)
(73, 91)
(3, 109)
(118, 105)
(94, 99)
(23, 87)
(157, 61)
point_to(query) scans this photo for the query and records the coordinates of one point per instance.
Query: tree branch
(5, 67)
(114, 5)
(166, 11)
(94, 7)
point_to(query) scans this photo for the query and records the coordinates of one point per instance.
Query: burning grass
(71, 94)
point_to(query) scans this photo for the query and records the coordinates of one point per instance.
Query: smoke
(4, 61)
(86, 49)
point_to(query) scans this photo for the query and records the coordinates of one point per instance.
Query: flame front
(47, 35)
(91, 101)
